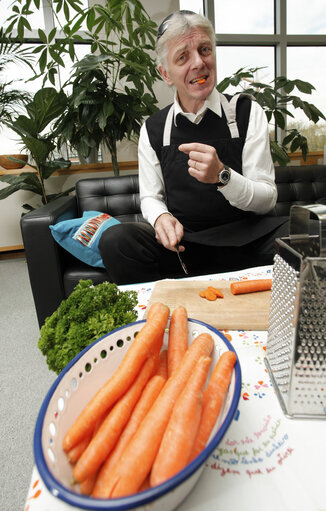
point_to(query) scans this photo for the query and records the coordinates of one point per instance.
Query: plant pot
(9, 164)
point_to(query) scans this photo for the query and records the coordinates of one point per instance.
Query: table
(265, 460)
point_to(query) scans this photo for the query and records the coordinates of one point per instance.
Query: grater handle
(299, 223)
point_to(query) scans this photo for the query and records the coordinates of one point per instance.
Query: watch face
(225, 176)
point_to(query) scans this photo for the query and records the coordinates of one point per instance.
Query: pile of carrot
(239, 287)
(154, 415)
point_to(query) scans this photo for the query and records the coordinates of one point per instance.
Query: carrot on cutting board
(146, 400)
(211, 293)
(137, 458)
(250, 286)
(148, 340)
(108, 433)
(213, 399)
(179, 436)
(178, 337)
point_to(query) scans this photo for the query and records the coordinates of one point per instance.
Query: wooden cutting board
(233, 312)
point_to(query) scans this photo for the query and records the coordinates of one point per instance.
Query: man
(206, 175)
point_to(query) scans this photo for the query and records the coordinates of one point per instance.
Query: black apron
(207, 217)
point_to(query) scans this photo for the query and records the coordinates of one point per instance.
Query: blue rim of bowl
(141, 498)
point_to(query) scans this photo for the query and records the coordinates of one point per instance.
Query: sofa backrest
(299, 185)
(118, 196)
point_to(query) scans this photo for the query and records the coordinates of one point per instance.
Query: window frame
(280, 40)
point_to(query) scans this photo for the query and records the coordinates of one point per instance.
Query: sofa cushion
(80, 236)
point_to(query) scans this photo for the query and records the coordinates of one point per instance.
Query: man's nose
(196, 60)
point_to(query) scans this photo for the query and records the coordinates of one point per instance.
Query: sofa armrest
(45, 258)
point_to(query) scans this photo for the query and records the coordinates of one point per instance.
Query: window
(284, 36)
(20, 74)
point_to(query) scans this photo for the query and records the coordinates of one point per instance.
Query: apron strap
(167, 127)
(230, 110)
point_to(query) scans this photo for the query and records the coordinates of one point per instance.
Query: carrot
(148, 339)
(217, 292)
(137, 459)
(155, 307)
(211, 293)
(146, 400)
(250, 286)
(145, 486)
(162, 368)
(213, 399)
(106, 437)
(179, 436)
(178, 338)
(75, 452)
(86, 487)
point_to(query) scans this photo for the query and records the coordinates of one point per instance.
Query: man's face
(191, 68)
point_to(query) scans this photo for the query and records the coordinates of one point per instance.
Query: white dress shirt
(254, 190)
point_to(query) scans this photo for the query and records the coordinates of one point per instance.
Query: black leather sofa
(53, 272)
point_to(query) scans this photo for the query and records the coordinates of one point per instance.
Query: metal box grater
(296, 343)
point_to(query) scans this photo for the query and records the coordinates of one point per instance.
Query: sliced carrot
(178, 337)
(162, 368)
(146, 400)
(210, 295)
(250, 286)
(217, 292)
(213, 399)
(136, 461)
(106, 437)
(179, 436)
(148, 339)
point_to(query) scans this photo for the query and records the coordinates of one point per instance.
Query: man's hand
(204, 163)
(168, 231)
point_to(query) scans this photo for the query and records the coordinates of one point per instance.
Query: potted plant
(112, 87)
(39, 138)
(100, 109)
(275, 98)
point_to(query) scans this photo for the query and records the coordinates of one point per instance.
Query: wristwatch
(224, 177)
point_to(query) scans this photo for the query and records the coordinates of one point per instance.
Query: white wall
(10, 208)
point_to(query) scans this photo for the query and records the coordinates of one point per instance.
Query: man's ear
(165, 75)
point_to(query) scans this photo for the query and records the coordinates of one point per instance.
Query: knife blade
(183, 266)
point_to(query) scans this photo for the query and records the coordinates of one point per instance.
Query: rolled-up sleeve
(151, 184)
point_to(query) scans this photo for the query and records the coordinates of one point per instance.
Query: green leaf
(279, 154)
(279, 119)
(47, 169)
(42, 36)
(52, 34)
(305, 87)
(43, 60)
(24, 181)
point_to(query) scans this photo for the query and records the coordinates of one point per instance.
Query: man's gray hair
(181, 24)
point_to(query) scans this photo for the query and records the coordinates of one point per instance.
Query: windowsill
(77, 169)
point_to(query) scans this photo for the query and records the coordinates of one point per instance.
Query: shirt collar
(212, 102)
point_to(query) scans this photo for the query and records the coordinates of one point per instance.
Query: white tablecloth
(265, 460)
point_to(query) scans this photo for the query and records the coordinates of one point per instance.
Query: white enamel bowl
(71, 391)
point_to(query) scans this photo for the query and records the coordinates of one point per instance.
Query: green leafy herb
(87, 314)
